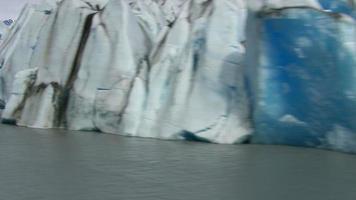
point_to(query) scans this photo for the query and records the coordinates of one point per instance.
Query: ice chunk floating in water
(222, 71)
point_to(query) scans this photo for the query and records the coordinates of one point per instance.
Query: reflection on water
(51, 165)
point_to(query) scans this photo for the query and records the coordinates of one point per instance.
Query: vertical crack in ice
(65, 93)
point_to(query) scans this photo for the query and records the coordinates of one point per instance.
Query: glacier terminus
(219, 71)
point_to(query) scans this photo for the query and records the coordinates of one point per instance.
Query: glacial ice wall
(306, 89)
(222, 71)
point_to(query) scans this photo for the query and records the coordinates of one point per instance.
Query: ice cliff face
(216, 71)
(305, 90)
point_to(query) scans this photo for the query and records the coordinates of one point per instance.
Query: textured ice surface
(207, 70)
(306, 88)
(166, 69)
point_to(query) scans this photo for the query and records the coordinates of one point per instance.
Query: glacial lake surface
(65, 165)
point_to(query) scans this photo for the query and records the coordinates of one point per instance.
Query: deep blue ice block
(307, 81)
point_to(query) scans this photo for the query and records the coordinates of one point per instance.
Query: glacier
(220, 71)
(307, 79)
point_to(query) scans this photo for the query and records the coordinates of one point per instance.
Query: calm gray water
(62, 165)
